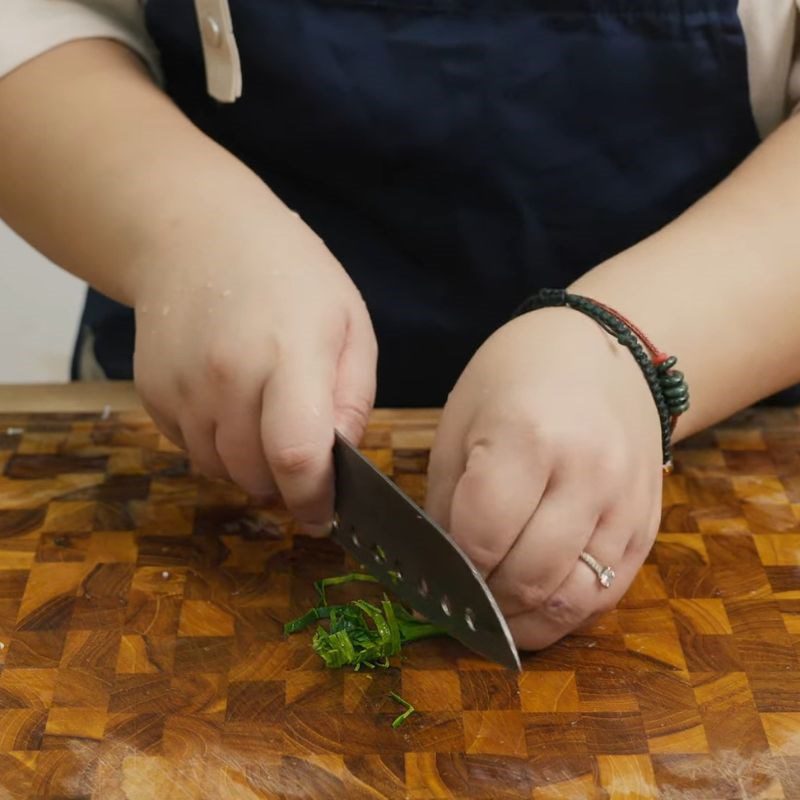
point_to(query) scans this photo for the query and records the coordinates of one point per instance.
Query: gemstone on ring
(606, 577)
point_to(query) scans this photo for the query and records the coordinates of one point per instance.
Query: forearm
(720, 286)
(97, 164)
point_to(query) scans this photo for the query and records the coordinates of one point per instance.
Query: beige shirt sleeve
(769, 27)
(29, 28)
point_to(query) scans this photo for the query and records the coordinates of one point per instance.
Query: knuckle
(531, 434)
(219, 364)
(475, 526)
(551, 444)
(602, 457)
(565, 612)
(526, 596)
(222, 361)
(475, 469)
(474, 491)
(295, 459)
(485, 556)
(613, 466)
(355, 413)
(546, 440)
(606, 464)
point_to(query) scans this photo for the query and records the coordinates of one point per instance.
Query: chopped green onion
(350, 639)
(406, 714)
(360, 633)
(391, 621)
(351, 577)
(312, 615)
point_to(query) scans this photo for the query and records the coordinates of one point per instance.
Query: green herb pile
(362, 634)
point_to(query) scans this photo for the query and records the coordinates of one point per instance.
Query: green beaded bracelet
(667, 385)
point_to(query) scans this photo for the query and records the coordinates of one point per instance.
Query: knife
(413, 557)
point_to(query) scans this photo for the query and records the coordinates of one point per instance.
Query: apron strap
(220, 53)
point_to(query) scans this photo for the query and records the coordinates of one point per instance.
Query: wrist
(605, 367)
(666, 384)
(193, 235)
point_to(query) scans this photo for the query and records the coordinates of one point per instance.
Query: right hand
(252, 346)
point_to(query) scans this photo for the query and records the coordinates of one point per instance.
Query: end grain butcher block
(141, 614)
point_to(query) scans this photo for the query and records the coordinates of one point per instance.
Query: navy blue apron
(456, 155)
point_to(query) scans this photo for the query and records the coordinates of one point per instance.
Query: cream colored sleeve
(769, 32)
(29, 28)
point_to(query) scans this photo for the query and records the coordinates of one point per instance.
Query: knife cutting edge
(416, 559)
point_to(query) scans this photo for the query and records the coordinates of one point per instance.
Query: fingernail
(311, 529)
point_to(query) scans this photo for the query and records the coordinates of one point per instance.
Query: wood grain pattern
(142, 654)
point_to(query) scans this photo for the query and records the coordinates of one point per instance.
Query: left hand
(549, 445)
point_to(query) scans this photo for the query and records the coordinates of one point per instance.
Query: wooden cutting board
(141, 614)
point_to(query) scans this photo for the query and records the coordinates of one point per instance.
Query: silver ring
(605, 575)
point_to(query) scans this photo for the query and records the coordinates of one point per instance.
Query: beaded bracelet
(667, 385)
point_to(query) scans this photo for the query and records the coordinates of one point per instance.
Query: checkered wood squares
(141, 614)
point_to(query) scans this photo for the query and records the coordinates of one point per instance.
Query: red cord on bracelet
(659, 357)
(667, 384)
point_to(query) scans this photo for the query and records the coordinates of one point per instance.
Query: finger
(238, 439)
(545, 553)
(493, 500)
(354, 395)
(297, 434)
(200, 438)
(169, 429)
(446, 465)
(581, 595)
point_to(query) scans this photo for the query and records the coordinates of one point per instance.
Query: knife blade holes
(446, 607)
(422, 588)
(469, 618)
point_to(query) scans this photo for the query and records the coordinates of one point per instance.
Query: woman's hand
(252, 346)
(549, 445)
(252, 343)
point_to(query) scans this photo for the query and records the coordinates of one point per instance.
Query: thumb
(297, 432)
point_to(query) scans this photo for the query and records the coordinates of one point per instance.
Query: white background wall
(40, 307)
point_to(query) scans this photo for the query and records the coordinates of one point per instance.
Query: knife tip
(513, 662)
